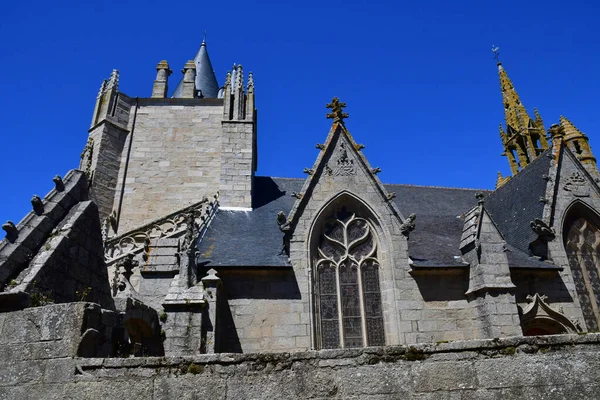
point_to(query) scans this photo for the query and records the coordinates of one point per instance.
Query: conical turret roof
(206, 81)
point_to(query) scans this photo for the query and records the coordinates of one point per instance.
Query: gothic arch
(581, 239)
(345, 247)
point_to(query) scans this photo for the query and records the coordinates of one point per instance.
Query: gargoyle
(409, 225)
(282, 221)
(542, 230)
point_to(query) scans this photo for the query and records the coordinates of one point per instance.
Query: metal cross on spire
(337, 110)
(496, 53)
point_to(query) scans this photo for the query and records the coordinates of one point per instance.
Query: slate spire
(206, 81)
(524, 139)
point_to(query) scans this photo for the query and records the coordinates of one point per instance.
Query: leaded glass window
(582, 242)
(347, 293)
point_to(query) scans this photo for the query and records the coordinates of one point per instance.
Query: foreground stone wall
(549, 367)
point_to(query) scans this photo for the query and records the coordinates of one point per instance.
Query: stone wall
(551, 367)
(175, 158)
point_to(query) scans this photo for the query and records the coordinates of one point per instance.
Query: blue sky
(418, 77)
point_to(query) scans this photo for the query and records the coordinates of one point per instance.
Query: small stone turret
(238, 141)
(578, 143)
(101, 157)
(188, 88)
(161, 86)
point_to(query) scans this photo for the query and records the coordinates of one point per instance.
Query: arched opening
(346, 277)
(543, 326)
(581, 237)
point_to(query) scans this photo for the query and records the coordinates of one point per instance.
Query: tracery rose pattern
(348, 297)
(583, 251)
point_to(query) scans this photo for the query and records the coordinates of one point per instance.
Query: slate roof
(253, 238)
(439, 225)
(206, 80)
(514, 205)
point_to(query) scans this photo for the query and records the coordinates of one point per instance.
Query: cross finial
(337, 110)
(496, 53)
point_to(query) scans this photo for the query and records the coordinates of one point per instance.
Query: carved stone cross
(337, 110)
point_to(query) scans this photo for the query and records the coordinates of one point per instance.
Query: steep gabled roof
(519, 201)
(253, 238)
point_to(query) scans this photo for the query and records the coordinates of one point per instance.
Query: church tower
(152, 156)
(524, 138)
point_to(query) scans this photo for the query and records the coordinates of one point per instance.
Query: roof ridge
(395, 184)
(438, 187)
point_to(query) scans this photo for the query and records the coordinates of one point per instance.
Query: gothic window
(582, 242)
(346, 281)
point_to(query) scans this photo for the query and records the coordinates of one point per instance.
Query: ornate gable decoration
(539, 313)
(576, 184)
(339, 157)
(341, 164)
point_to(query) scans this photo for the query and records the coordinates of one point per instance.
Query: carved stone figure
(409, 225)
(576, 184)
(542, 229)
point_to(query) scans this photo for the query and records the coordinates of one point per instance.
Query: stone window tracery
(346, 281)
(582, 243)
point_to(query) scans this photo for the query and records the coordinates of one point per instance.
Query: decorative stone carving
(391, 195)
(320, 146)
(359, 146)
(342, 165)
(539, 318)
(308, 171)
(173, 225)
(376, 170)
(86, 159)
(284, 224)
(408, 225)
(480, 197)
(58, 183)
(11, 231)
(576, 184)
(121, 285)
(337, 110)
(542, 229)
(38, 205)
(296, 195)
(543, 199)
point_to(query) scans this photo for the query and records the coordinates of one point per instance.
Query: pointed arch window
(346, 281)
(582, 243)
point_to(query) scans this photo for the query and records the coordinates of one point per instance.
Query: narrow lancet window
(347, 292)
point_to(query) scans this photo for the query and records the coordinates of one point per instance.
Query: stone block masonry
(175, 159)
(551, 367)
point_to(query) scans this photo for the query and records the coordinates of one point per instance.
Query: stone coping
(368, 355)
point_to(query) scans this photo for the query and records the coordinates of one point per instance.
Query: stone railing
(172, 225)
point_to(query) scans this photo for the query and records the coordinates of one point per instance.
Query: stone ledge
(484, 348)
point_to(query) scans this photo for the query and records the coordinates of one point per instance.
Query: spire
(206, 81)
(524, 139)
(513, 108)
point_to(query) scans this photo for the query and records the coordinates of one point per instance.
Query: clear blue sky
(418, 77)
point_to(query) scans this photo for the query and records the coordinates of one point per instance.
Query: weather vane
(496, 53)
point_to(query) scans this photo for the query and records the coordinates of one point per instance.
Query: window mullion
(363, 314)
(339, 304)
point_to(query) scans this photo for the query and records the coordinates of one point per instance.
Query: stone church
(164, 242)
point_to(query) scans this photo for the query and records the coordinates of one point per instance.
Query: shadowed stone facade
(166, 261)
